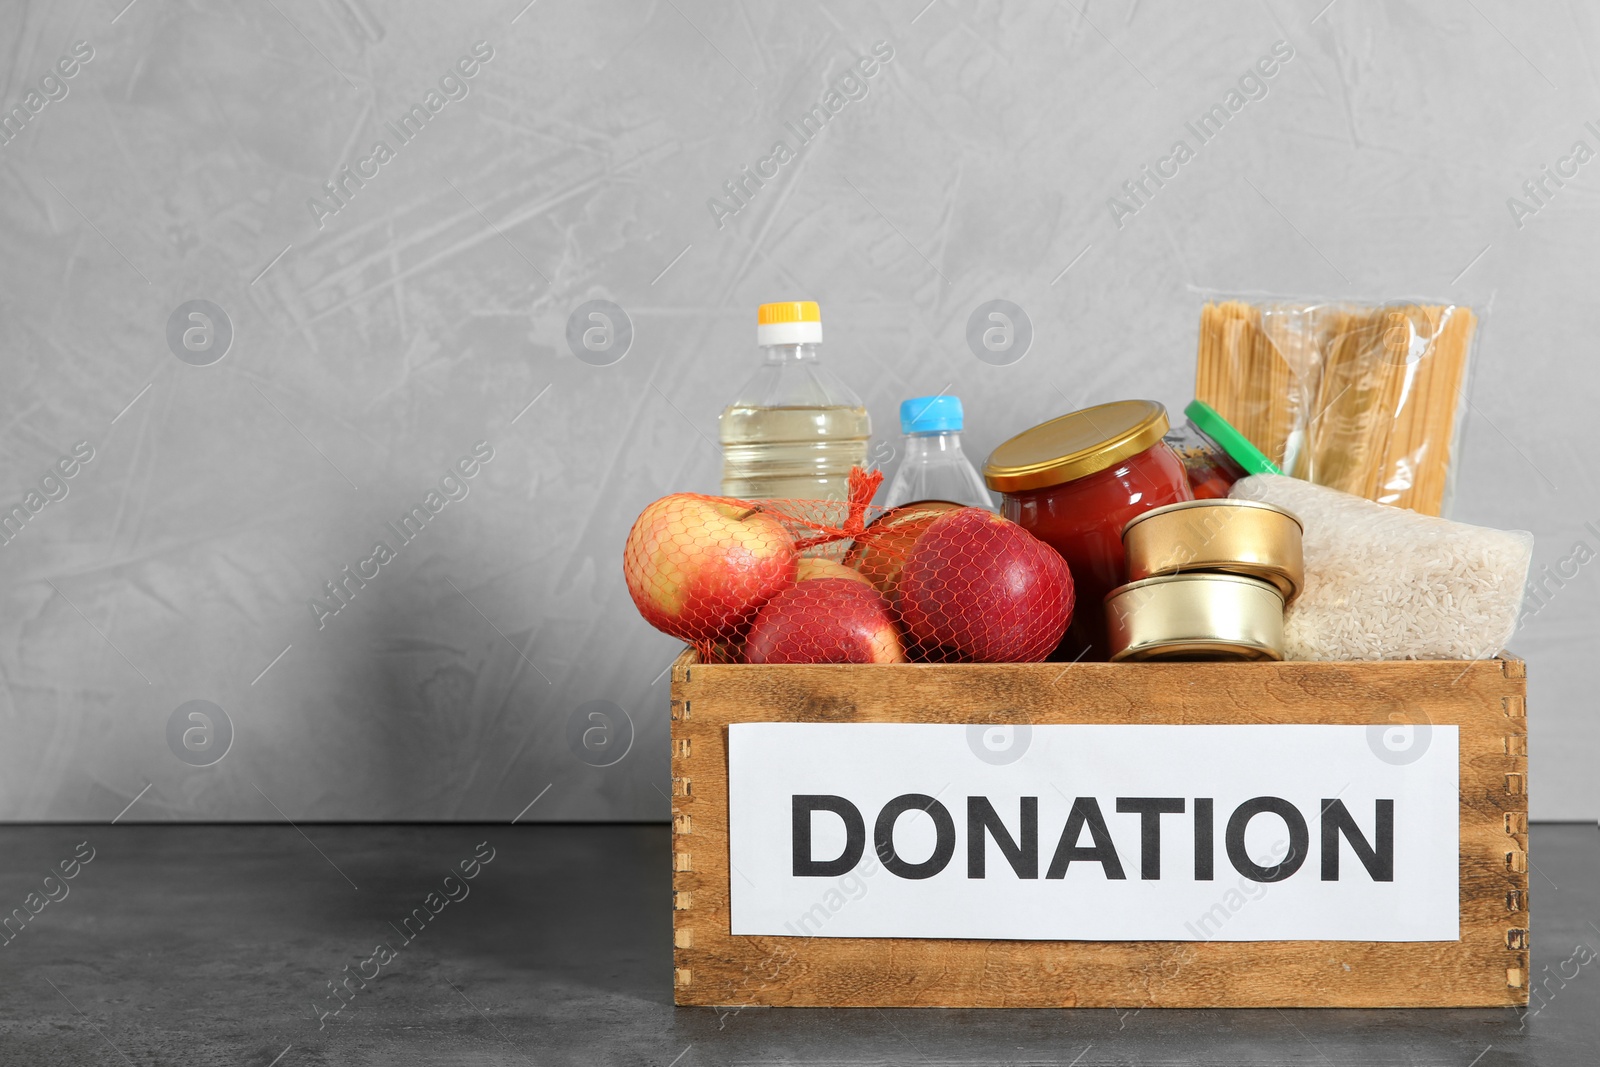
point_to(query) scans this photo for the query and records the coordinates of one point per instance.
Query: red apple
(699, 567)
(825, 620)
(982, 588)
(811, 567)
(880, 550)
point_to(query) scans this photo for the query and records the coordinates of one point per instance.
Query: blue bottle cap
(930, 414)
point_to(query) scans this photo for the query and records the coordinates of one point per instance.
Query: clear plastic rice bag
(1387, 583)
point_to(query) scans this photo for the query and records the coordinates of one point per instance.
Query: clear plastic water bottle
(795, 429)
(933, 467)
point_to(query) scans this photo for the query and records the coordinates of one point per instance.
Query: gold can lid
(1212, 502)
(1074, 445)
(1195, 579)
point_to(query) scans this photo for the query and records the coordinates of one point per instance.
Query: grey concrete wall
(376, 340)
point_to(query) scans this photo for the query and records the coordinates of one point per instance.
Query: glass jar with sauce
(1074, 482)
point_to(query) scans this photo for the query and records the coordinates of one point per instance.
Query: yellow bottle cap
(788, 311)
(789, 322)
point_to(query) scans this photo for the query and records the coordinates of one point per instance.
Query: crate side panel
(715, 968)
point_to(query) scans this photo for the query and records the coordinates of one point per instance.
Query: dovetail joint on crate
(1514, 900)
(1516, 822)
(682, 823)
(1516, 744)
(1517, 862)
(1516, 707)
(1516, 784)
(681, 787)
(1516, 938)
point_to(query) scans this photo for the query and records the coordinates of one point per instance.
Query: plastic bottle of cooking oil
(795, 429)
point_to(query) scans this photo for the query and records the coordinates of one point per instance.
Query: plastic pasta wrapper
(1383, 583)
(1362, 398)
(789, 581)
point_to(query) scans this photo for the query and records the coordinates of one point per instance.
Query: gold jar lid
(1074, 445)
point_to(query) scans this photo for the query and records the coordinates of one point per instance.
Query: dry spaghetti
(1359, 398)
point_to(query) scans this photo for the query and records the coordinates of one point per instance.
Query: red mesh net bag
(806, 581)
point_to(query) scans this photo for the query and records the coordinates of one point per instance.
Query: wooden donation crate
(1486, 966)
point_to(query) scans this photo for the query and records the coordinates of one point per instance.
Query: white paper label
(1101, 833)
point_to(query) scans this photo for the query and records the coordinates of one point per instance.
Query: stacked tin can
(1207, 580)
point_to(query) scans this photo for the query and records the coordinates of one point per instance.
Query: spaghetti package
(784, 581)
(1362, 398)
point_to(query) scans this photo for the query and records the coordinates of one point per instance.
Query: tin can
(1240, 537)
(1196, 616)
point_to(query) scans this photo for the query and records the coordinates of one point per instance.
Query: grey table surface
(219, 944)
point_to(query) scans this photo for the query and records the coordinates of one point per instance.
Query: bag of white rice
(1387, 583)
